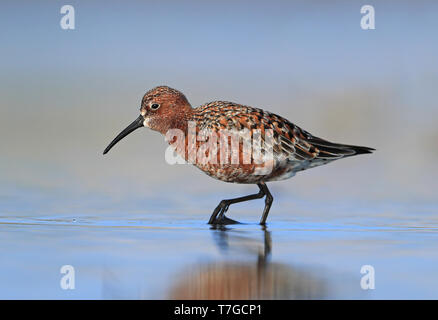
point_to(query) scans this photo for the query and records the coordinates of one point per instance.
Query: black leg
(224, 205)
(268, 202)
(218, 215)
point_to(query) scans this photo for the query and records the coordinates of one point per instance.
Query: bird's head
(162, 108)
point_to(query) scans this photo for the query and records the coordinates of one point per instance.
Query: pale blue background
(65, 94)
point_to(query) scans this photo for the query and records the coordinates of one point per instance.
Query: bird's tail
(330, 150)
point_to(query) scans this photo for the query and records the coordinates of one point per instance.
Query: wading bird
(293, 149)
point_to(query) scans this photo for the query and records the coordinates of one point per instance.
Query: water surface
(165, 256)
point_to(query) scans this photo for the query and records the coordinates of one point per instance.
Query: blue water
(156, 256)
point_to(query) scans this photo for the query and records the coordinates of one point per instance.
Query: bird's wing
(309, 147)
(289, 140)
(296, 143)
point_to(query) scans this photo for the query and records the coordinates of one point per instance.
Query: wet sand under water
(150, 258)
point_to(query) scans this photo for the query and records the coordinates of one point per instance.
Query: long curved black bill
(138, 123)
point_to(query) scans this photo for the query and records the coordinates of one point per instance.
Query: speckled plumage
(294, 149)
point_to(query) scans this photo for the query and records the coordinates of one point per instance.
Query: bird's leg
(268, 202)
(225, 204)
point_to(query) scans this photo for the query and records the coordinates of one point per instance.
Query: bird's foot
(224, 220)
(219, 218)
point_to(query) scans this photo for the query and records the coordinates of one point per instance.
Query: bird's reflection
(249, 276)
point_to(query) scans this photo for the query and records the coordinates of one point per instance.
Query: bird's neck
(179, 120)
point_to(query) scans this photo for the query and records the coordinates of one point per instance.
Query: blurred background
(65, 94)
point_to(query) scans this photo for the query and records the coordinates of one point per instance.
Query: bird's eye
(155, 106)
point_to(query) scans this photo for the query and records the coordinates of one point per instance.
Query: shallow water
(170, 256)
